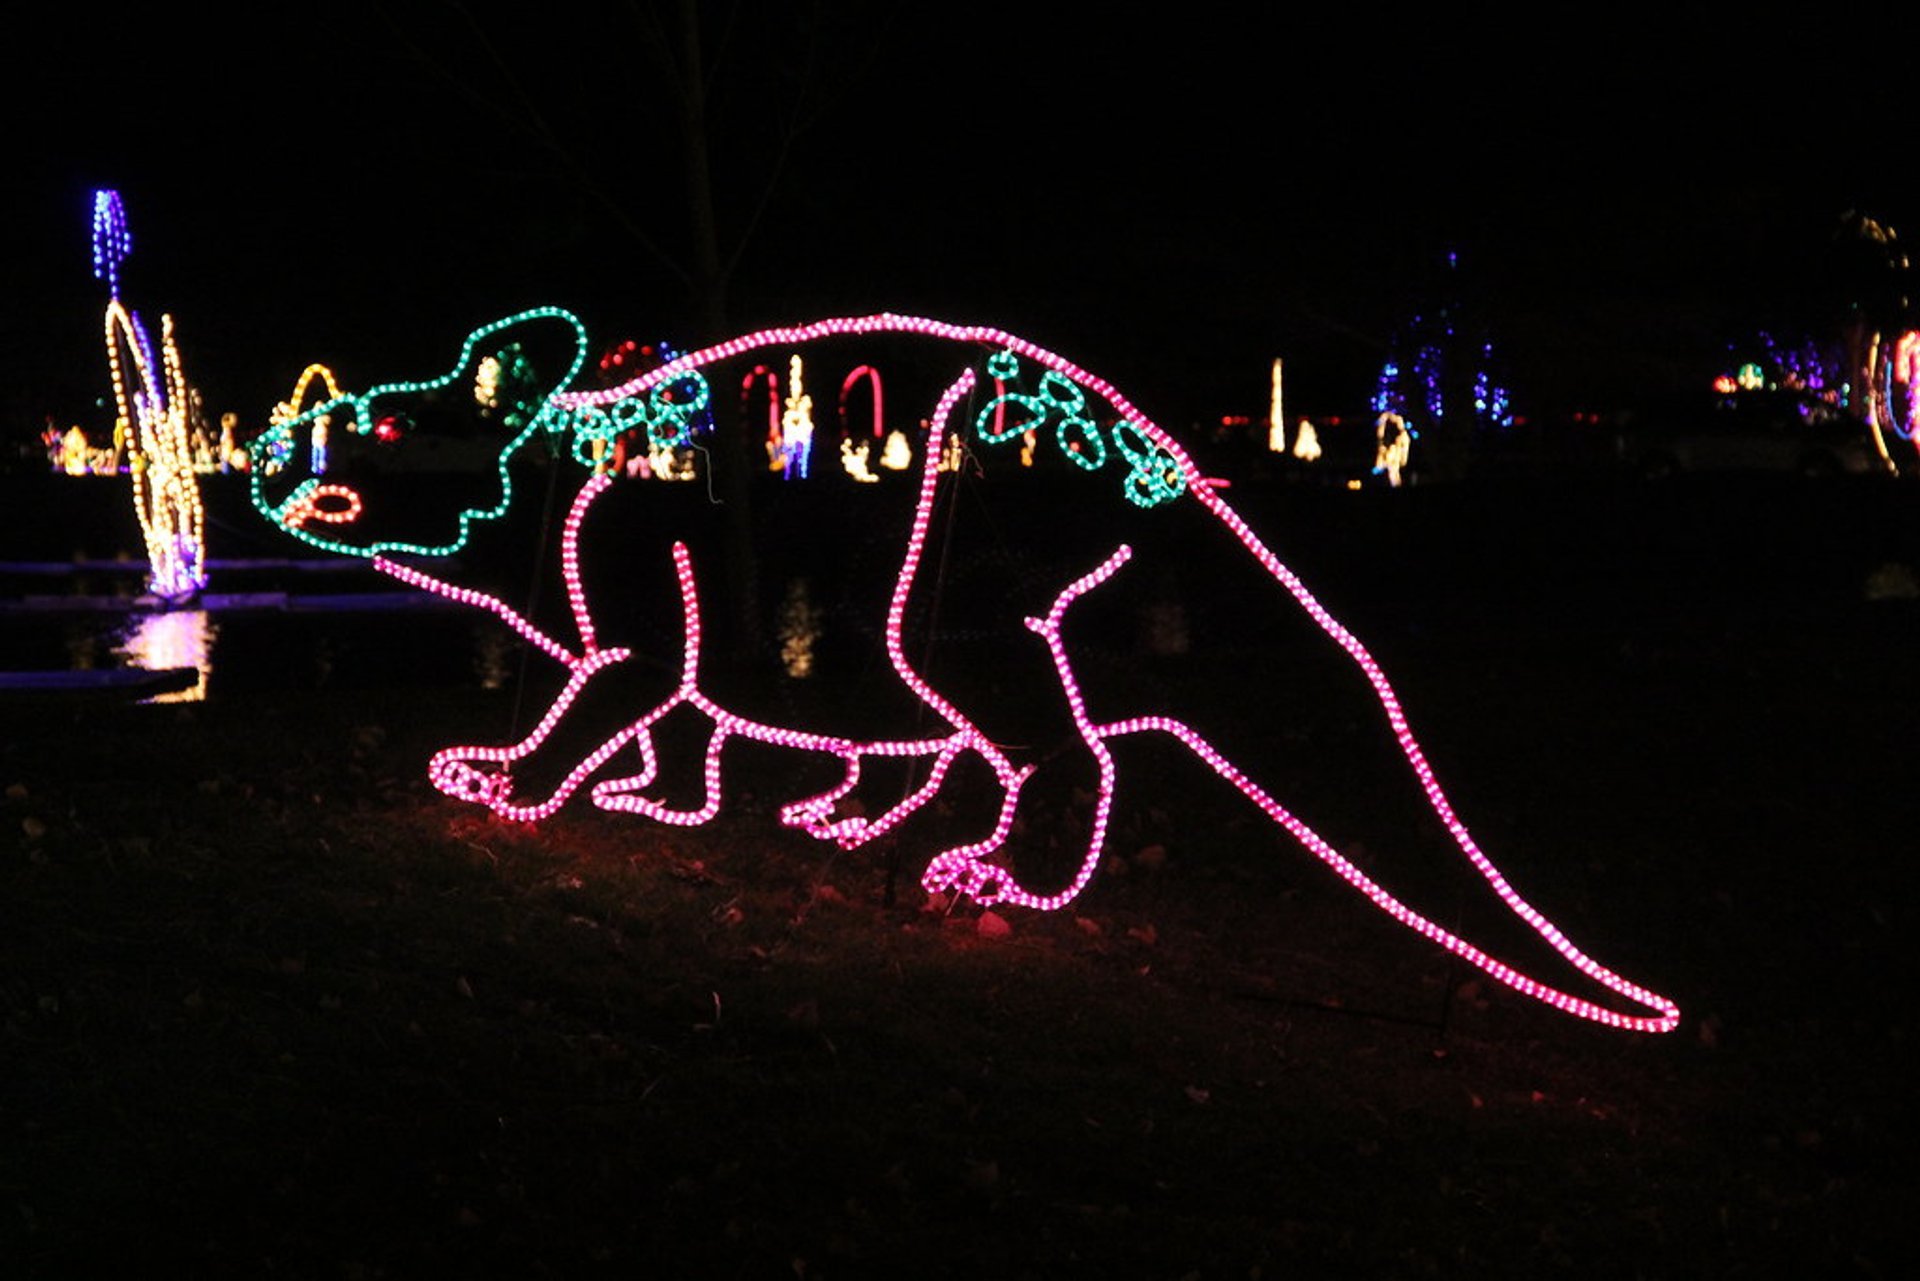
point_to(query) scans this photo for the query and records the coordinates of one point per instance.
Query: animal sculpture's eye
(389, 428)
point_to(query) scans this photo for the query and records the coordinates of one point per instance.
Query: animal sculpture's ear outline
(358, 413)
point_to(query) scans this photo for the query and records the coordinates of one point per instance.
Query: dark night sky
(1170, 204)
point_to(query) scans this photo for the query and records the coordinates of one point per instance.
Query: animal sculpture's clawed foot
(816, 817)
(960, 872)
(464, 782)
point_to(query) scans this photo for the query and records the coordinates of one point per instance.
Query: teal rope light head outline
(295, 513)
(1154, 475)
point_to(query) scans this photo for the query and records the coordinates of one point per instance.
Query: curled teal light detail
(671, 421)
(1153, 476)
(585, 425)
(667, 414)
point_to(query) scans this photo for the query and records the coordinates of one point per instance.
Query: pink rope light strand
(476, 773)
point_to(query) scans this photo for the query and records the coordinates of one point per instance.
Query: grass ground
(270, 1006)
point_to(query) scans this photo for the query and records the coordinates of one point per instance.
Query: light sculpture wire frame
(1156, 471)
(153, 402)
(166, 496)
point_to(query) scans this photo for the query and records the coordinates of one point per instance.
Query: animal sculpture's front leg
(966, 869)
(484, 775)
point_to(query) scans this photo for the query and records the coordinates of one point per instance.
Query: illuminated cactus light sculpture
(154, 404)
(1091, 431)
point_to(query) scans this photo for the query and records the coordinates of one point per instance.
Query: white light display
(898, 454)
(1893, 400)
(1276, 412)
(1306, 442)
(856, 456)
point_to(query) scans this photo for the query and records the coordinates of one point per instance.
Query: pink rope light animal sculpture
(620, 770)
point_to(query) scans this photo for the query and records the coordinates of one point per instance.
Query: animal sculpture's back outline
(1158, 471)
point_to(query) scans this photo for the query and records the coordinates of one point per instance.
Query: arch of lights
(279, 450)
(755, 376)
(153, 403)
(1041, 397)
(1276, 409)
(856, 455)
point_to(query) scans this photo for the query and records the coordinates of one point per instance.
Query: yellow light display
(666, 462)
(75, 452)
(166, 497)
(1393, 447)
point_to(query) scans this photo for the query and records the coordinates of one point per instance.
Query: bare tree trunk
(732, 454)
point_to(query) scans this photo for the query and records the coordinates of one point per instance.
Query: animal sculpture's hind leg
(624, 794)
(484, 775)
(967, 869)
(1661, 1013)
(815, 814)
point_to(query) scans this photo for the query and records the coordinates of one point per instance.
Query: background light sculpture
(1893, 406)
(1306, 442)
(112, 242)
(1393, 447)
(1276, 410)
(319, 425)
(1097, 430)
(154, 404)
(796, 424)
(856, 455)
(1440, 378)
(755, 376)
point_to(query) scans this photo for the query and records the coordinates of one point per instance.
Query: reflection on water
(493, 653)
(799, 628)
(173, 638)
(261, 647)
